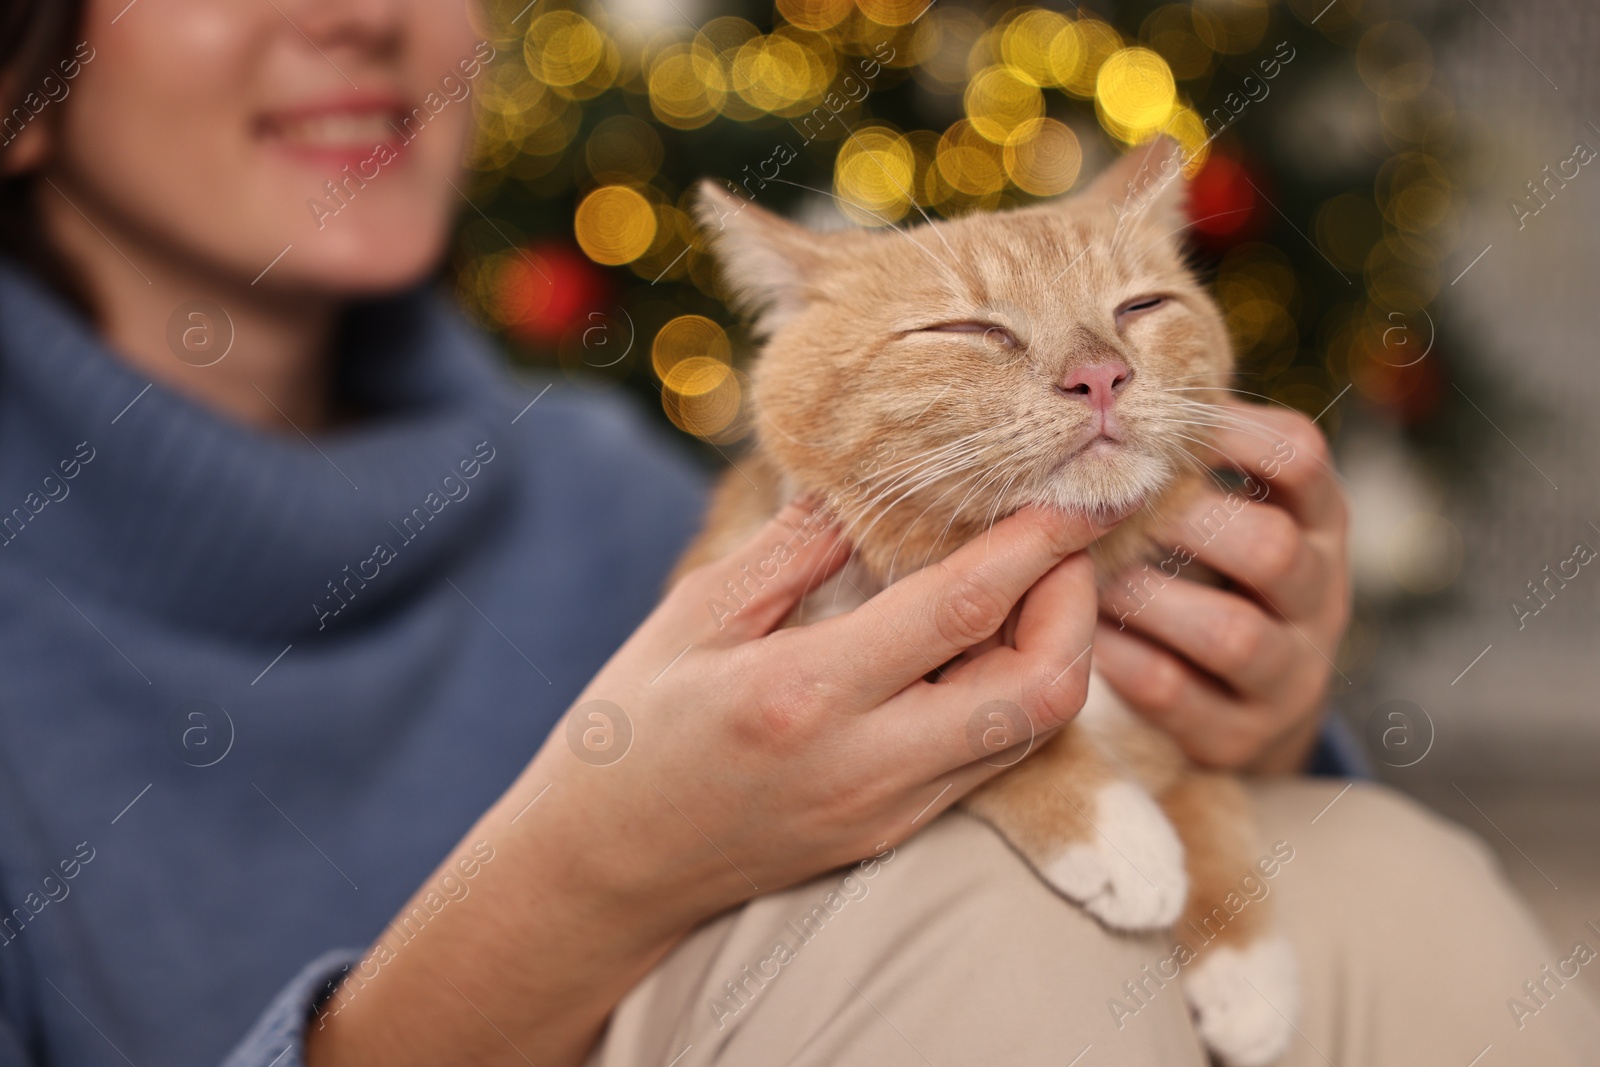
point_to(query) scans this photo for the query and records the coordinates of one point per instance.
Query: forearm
(526, 966)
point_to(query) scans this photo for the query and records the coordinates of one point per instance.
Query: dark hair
(35, 35)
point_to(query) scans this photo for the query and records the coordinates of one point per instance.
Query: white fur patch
(1130, 874)
(1243, 1001)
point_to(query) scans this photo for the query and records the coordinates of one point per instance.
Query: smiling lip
(335, 132)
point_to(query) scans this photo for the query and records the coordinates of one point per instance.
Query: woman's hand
(758, 757)
(761, 756)
(1240, 676)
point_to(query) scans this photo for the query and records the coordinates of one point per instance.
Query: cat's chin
(1107, 492)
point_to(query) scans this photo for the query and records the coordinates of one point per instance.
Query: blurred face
(224, 131)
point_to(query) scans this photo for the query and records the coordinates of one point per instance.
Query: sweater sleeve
(1339, 753)
(278, 1038)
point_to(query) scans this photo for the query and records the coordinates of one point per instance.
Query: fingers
(1226, 635)
(1034, 687)
(1285, 450)
(1211, 728)
(925, 619)
(1259, 546)
(750, 591)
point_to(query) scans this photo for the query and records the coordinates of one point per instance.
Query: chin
(1107, 485)
(356, 267)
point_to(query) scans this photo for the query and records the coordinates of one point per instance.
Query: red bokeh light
(544, 291)
(1223, 206)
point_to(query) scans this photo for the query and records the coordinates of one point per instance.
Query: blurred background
(1393, 201)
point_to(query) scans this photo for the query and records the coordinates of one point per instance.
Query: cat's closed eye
(998, 335)
(1132, 309)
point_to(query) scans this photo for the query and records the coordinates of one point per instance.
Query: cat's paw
(1244, 999)
(1130, 873)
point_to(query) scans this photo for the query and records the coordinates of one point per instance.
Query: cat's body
(931, 381)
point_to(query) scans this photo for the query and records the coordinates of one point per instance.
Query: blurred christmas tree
(1323, 194)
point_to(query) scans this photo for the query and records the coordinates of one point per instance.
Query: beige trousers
(951, 953)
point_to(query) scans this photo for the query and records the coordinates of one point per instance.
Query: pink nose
(1097, 384)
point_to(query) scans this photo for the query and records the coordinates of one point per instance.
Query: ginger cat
(928, 381)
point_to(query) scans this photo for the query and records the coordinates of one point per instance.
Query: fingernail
(1108, 517)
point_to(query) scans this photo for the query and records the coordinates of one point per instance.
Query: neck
(262, 360)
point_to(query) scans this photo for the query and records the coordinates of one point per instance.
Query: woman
(298, 589)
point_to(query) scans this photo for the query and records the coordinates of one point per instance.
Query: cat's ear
(767, 262)
(1145, 184)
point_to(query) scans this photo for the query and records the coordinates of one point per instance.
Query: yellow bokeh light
(684, 338)
(727, 33)
(998, 101)
(615, 224)
(1135, 91)
(563, 48)
(1067, 55)
(1076, 56)
(1042, 157)
(696, 375)
(687, 85)
(1026, 45)
(816, 15)
(776, 73)
(550, 127)
(709, 402)
(969, 163)
(893, 12)
(506, 89)
(874, 175)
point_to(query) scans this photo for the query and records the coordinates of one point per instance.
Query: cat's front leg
(1093, 834)
(1241, 979)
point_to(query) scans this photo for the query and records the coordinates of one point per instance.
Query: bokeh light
(816, 15)
(901, 107)
(1042, 157)
(688, 337)
(563, 48)
(998, 101)
(892, 12)
(1026, 45)
(1136, 92)
(874, 174)
(1076, 55)
(614, 224)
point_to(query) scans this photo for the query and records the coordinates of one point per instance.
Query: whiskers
(1205, 418)
(963, 465)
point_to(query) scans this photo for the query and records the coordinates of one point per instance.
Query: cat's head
(932, 379)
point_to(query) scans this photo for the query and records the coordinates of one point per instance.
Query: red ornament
(546, 289)
(1223, 206)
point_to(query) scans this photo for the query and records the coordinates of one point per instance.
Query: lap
(949, 950)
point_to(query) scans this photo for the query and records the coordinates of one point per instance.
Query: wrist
(629, 868)
(544, 945)
(1291, 752)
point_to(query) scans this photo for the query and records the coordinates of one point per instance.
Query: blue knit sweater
(254, 687)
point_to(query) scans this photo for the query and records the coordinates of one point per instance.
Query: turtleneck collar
(194, 521)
